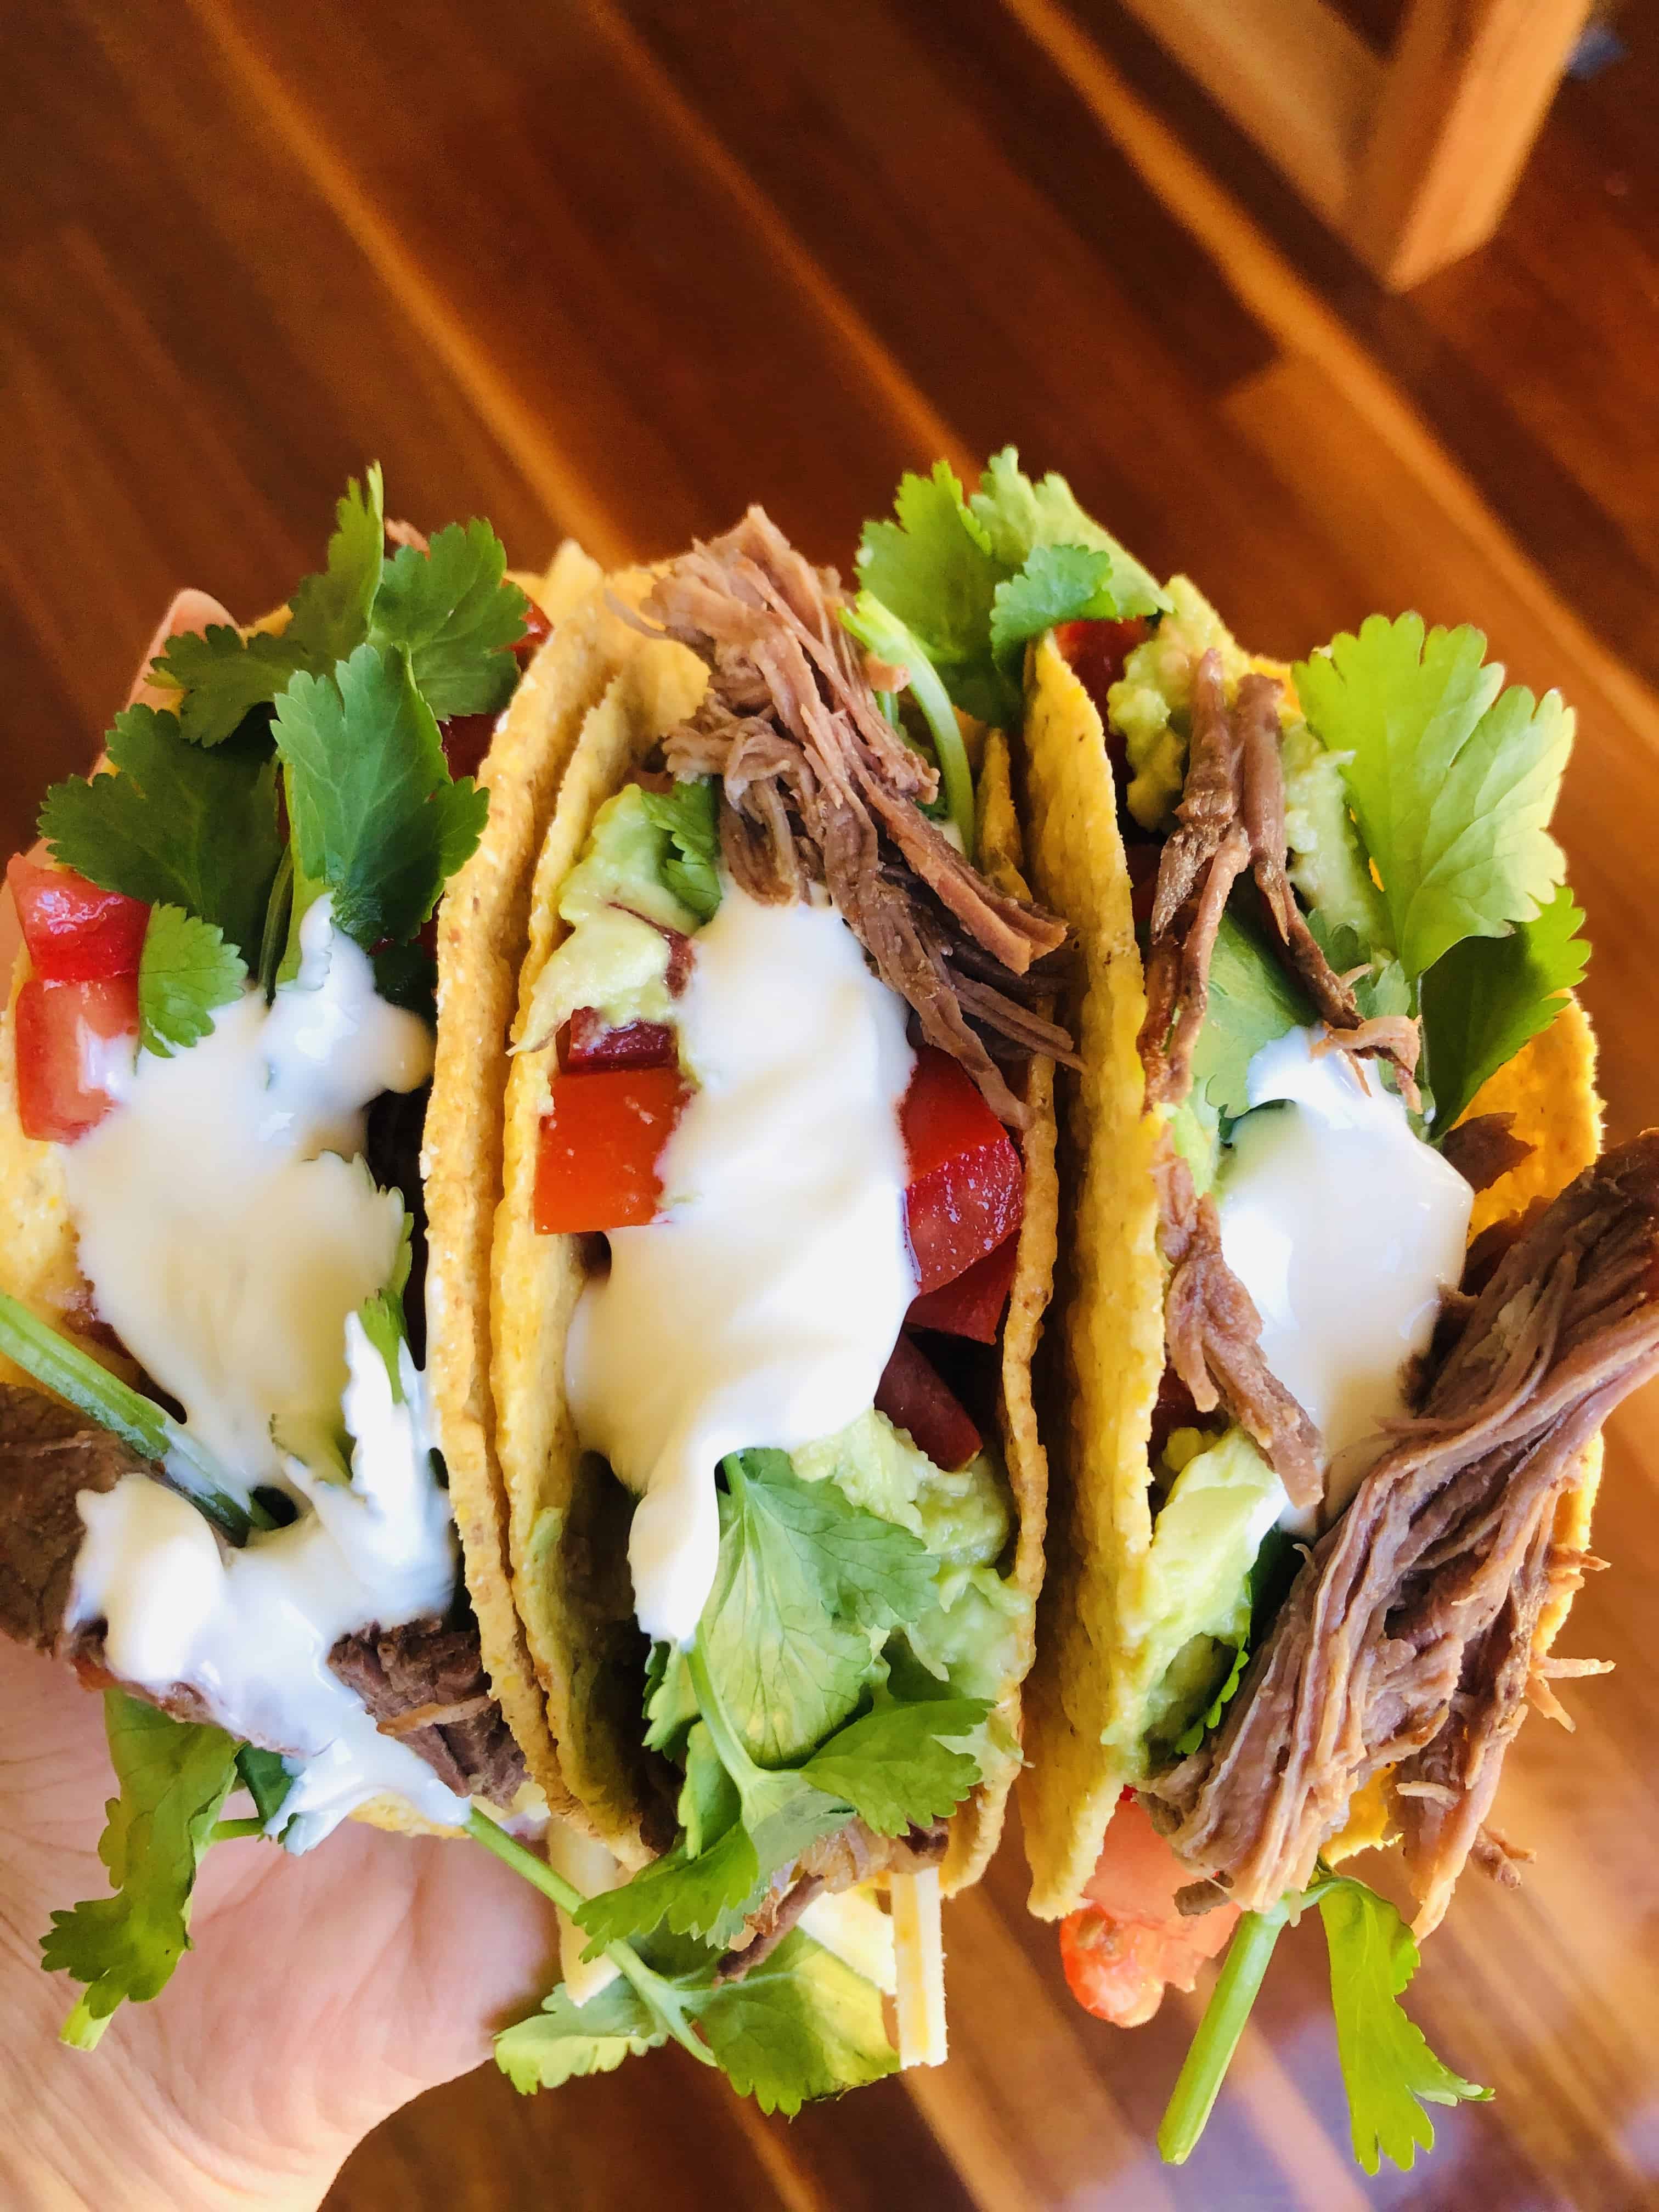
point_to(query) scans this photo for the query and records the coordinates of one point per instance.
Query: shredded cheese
(919, 1949)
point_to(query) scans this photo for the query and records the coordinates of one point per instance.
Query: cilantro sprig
(174, 1778)
(1452, 779)
(451, 609)
(975, 579)
(1388, 2071)
(689, 812)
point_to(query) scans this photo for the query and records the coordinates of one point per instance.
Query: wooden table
(616, 271)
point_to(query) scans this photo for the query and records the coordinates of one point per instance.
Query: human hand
(321, 1992)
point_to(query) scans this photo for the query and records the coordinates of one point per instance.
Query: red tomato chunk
(601, 1139)
(1131, 1942)
(66, 1034)
(466, 739)
(1097, 651)
(967, 1193)
(972, 1305)
(914, 1395)
(588, 1042)
(537, 629)
(75, 933)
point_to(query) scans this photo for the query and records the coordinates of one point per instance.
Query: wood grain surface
(618, 269)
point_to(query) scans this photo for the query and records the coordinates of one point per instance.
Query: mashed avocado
(1190, 1603)
(973, 1635)
(615, 959)
(1149, 706)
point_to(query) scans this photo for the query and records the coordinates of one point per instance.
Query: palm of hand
(320, 1994)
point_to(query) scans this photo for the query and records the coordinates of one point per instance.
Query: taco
(775, 1245)
(1346, 1291)
(223, 1494)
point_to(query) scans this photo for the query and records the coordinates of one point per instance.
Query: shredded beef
(852, 1855)
(424, 1682)
(1485, 1150)
(1211, 1332)
(1407, 1637)
(47, 1454)
(818, 788)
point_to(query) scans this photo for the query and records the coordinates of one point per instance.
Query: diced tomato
(1131, 1942)
(914, 1395)
(466, 740)
(588, 1042)
(972, 1305)
(1097, 651)
(75, 933)
(536, 630)
(67, 1033)
(967, 1191)
(601, 1139)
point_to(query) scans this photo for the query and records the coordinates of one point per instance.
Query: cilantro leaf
(186, 973)
(1484, 999)
(934, 570)
(174, 1777)
(798, 2025)
(1057, 583)
(973, 579)
(805, 1578)
(897, 1766)
(1190, 1738)
(384, 1321)
(1387, 2068)
(1252, 1001)
(265, 1776)
(223, 677)
(709, 1895)
(330, 613)
(176, 827)
(688, 813)
(564, 2039)
(1019, 516)
(453, 608)
(1453, 780)
(376, 819)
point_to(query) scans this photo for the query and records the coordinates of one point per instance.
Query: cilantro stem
(733, 1752)
(277, 909)
(74, 1376)
(83, 2028)
(1218, 2031)
(880, 630)
(230, 1831)
(667, 2003)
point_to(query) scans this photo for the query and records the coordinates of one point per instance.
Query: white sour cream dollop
(1347, 1230)
(761, 1310)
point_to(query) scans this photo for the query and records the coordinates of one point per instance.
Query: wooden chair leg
(1467, 88)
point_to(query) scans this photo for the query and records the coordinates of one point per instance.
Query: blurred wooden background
(617, 268)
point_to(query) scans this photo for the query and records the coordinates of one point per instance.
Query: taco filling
(783, 1061)
(231, 1508)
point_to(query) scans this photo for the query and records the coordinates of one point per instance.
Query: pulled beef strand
(853, 1854)
(1232, 818)
(1409, 1637)
(423, 1682)
(816, 788)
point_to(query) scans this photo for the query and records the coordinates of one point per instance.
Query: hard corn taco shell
(568, 1518)
(1083, 1702)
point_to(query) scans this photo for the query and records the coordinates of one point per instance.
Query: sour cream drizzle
(252, 1630)
(1346, 1228)
(763, 1309)
(230, 1232)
